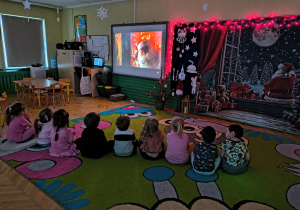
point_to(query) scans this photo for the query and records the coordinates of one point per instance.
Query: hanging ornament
(181, 33)
(191, 68)
(195, 54)
(193, 40)
(57, 19)
(181, 75)
(205, 7)
(26, 4)
(102, 12)
(181, 36)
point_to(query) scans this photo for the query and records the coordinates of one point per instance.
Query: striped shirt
(123, 142)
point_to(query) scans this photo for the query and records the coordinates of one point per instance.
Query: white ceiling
(63, 4)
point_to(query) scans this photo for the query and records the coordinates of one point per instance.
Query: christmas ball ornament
(147, 94)
(180, 55)
(177, 49)
(182, 50)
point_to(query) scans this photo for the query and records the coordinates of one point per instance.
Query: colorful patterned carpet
(271, 181)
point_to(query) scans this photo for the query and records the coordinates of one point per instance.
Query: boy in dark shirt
(92, 143)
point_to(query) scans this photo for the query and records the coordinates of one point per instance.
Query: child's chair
(67, 80)
(33, 94)
(3, 99)
(56, 91)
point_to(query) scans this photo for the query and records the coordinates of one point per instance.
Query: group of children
(51, 129)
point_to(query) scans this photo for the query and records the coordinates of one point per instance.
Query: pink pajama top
(64, 146)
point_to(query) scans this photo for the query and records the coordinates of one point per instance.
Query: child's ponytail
(14, 110)
(177, 125)
(60, 120)
(36, 126)
(8, 115)
(56, 134)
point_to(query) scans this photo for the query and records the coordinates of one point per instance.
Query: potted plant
(160, 94)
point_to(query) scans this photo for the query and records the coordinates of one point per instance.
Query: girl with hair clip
(43, 126)
(19, 124)
(151, 140)
(178, 145)
(62, 138)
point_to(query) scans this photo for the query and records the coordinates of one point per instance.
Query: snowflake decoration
(102, 12)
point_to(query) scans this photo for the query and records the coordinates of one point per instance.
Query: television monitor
(98, 62)
(139, 49)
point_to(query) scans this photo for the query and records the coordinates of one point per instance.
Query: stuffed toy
(179, 88)
(222, 94)
(194, 84)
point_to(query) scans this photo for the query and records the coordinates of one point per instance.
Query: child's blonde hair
(177, 125)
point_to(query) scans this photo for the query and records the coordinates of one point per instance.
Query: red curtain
(211, 41)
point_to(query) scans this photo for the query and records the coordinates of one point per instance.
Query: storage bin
(104, 78)
(110, 90)
(101, 90)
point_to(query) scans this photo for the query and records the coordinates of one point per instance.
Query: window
(23, 41)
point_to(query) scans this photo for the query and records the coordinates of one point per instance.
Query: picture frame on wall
(80, 28)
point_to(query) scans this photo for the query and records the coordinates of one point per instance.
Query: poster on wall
(80, 28)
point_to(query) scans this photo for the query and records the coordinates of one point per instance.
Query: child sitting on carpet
(43, 126)
(235, 155)
(62, 139)
(125, 143)
(92, 143)
(151, 140)
(205, 158)
(178, 145)
(19, 124)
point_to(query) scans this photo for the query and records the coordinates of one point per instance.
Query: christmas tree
(254, 76)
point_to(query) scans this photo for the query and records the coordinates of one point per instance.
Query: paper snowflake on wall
(102, 12)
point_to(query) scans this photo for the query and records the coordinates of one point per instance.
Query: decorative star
(187, 47)
(195, 54)
(205, 7)
(193, 29)
(193, 40)
(26, 4)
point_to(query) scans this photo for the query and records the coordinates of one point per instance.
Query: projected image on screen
(146, 49)
(118, 46)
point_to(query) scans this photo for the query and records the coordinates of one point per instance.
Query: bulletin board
(98, 46)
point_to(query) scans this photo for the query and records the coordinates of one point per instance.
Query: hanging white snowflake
(102, 12)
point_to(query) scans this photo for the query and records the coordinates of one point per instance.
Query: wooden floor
(16, 192)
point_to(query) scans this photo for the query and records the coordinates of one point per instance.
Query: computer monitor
(99, 62)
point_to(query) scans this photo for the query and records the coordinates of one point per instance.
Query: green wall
(53, 28)
(121, 12)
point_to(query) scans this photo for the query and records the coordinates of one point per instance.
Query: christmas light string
(252, 21)
(281, 21)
